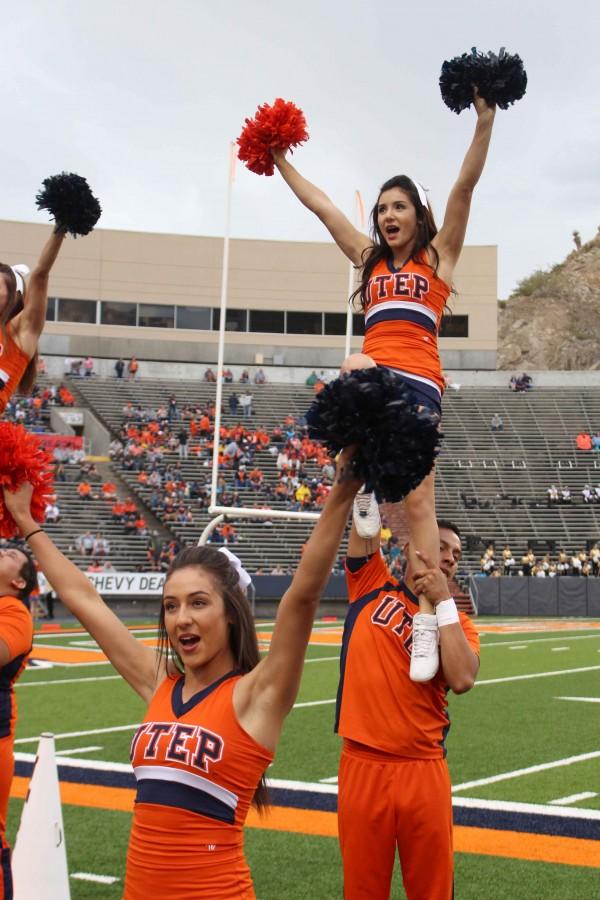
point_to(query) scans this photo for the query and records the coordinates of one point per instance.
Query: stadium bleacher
(507, 472)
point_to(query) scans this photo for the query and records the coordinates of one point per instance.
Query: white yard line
(99, 879)
(530, 770)
(323, 659)
(21, 684)
(77, 750)
(580, 699)
(549, 640)
(69, 734)
(518, 647)
(540, 809)
(313, 703)
(558, 649)
(537, 675)
(573, 798)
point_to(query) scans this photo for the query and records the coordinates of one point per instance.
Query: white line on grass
(537, 675)
(580, 699)
(518, 647)
(67, 680)
(312, 703)
(549, 640)
(539, 808)
(96, 764)
(573, 798)
(332, 780)
(68, 734)
(542, 767)
(100, 879)
(558, 649)
(77, 750)
(323, 659)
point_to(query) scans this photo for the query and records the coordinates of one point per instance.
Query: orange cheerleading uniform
(16, 632)
(402, 320)
(197, 771)
(394, 785)
(13, 362)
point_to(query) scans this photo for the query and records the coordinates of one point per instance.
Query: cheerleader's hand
(278, 155)
(482, 108)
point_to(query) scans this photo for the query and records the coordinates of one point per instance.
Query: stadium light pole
(221, 346)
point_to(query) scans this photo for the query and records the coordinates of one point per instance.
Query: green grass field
(535, 704)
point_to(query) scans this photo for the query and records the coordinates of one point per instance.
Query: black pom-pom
(499, 78)
(396, 443)
(70, 202)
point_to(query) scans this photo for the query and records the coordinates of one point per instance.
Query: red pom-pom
(22, 459)
(276, 127)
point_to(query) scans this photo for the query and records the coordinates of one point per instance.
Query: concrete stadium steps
(536, 448)
(127, 552)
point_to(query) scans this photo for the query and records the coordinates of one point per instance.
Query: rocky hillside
(553, 320)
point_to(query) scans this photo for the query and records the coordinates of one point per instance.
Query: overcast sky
(143, 96)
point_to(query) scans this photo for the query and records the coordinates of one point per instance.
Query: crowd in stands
(520, 383)
(586, 441)
(581, 563)
(30, 411)
(259, 376)
(562, 496)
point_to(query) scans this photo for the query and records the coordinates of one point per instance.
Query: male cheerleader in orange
(394, 786)
(215, 709)
(17, 579)
(406, 269)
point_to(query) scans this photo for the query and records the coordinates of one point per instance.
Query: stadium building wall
(286, 300)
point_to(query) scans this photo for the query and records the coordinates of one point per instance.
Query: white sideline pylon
(39, 860)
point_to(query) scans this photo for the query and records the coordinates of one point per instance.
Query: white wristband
(446, 613)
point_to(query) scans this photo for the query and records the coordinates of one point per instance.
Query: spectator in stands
(246, 404)
(260, 377)
(386, 531)
(109, 490)
(210, 376)
(553, 495)
(596, 442)
(227, 376)
(244, 377)
(42, 368)
(84, 489)
(312, 378)
(583, 441)
(52, 512)
(562, 566)
(233, 403)
(85, 543)
(132, 368)
(182, 437)
(595, 560)
(565, 494)
(88, 366)
(497, 423)
(508, 561)
(588, 494)
(119, 367)
(101, 546)
(95, 566)
(140, 525)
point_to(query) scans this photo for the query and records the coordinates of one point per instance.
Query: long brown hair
(426, 231)
(14, 306)
(242, 633)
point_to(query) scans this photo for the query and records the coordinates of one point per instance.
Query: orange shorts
(7, 765)
(385, 802)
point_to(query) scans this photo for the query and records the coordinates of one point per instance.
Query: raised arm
(450, 239)
(267, 694)
(29, 324)
(135, 662)
(349, 239)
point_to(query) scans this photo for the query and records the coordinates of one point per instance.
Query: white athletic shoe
(365, 515)
(425, 658)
